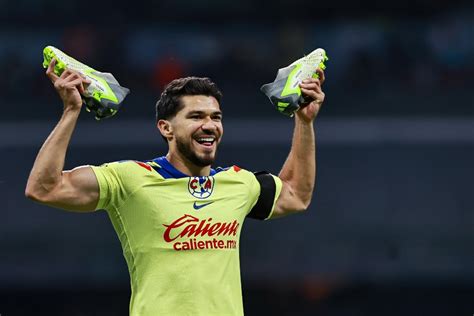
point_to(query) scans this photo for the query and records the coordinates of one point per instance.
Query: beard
(185, 149)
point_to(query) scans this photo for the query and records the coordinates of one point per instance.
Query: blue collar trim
(168, 171)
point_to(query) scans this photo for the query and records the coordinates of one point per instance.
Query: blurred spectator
(165, 70)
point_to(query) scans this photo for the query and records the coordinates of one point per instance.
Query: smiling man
(178, 220)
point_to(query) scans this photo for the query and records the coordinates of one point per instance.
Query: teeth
(209, 139)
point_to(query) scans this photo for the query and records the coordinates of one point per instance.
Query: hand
(70, 85)
(311, 88)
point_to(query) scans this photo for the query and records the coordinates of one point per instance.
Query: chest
(201, 208)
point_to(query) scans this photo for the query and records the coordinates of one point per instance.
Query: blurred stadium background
(391, 228)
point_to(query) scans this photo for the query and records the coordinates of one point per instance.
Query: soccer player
(178, 220)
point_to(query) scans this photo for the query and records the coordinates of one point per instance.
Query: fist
(311, 89)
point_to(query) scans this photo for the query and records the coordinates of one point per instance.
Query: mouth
(206, 141)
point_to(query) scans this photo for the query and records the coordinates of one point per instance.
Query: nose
(209, 125)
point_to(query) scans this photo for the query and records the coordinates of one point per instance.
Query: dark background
(391, 227)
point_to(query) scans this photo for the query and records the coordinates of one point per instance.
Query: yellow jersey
(180, 234)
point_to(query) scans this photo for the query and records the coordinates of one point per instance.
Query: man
(178, 220)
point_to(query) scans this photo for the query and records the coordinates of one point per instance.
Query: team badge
(201, 187)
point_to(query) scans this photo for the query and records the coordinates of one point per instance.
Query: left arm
(298, 174)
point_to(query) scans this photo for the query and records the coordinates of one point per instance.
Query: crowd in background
(389, 55)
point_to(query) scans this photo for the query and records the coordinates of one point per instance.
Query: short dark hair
(170, 101)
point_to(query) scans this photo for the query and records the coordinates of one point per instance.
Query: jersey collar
(168, 171)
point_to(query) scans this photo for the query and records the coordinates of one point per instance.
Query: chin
(198, 156)
(205, 160)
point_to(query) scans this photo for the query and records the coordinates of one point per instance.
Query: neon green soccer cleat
(284, 92)
(103, 96)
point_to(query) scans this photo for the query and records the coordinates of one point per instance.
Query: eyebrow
(202, 112)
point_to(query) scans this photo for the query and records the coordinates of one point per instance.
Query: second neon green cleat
(284, 92)
(104, 95)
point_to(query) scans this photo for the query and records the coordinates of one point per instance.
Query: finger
(74, 83)
(81, 89)
(311, 85)
(68, 78)
(315, 96)
(311, 80)
(50, 71)
(86, 81)
(309, 93)
(315, 86)
(66, 73)
(321, 75)
(77, 73)
(83, 85)
(71, 76)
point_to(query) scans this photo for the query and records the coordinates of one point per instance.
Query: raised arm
(75, 190)
(299, 171)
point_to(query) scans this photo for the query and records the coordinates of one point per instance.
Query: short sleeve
(112, 189)
(268, 188)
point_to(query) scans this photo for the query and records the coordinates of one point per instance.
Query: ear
(165, 128)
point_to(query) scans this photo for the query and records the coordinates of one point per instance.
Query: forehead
(201, 103)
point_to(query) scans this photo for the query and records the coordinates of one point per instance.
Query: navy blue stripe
(168, 171)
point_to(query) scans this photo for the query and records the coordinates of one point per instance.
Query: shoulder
(124, 165)
(235, 172)
(253, 180)
(126, 168)
(240, 172)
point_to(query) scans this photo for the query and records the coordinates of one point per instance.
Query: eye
(217, 118)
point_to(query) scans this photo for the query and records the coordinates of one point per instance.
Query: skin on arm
(298, 174)
(75, 190)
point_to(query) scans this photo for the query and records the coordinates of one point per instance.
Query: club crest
(201, 187)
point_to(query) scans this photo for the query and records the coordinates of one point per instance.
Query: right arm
(74, 190)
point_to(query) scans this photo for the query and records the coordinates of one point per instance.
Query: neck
(187, 167)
